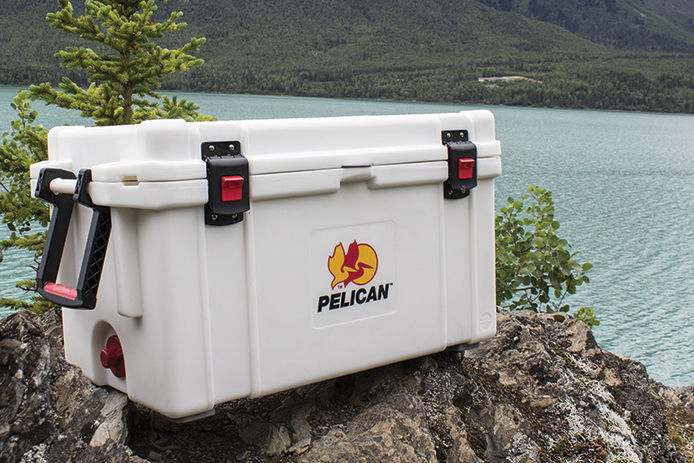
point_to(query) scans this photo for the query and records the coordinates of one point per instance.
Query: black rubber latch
(224, 162)
(459, 147)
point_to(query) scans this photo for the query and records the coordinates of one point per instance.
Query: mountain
(653, 25)
(434, 50)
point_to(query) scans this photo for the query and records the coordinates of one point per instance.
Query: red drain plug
(112, 357)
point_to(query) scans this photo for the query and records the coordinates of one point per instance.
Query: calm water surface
(624, 188)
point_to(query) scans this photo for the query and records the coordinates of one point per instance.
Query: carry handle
(84, 295)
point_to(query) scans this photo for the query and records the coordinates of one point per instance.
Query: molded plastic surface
(349, 257)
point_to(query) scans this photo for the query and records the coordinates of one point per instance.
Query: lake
(624, 190)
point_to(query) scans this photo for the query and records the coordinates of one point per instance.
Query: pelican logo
(358, 266)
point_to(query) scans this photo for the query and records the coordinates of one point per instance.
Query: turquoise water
(624, 187)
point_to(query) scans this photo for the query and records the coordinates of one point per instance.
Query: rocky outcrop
(540, 391)
(49, 411)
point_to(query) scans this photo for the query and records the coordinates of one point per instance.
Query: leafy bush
(534, 268)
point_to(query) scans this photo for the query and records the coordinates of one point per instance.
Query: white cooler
(210, 261)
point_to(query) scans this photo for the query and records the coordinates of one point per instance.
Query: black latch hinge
(462, 164)
(227, 182)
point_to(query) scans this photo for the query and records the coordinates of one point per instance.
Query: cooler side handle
(84, 295)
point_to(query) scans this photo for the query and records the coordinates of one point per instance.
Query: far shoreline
(393, 100)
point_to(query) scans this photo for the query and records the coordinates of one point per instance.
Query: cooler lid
(291, 145)
(170, 150)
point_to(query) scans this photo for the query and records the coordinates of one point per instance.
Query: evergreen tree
(21, 147)
(123, 78)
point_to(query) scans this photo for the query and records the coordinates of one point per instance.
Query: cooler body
(356, 246)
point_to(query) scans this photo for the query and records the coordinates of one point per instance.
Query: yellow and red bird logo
(358, 266)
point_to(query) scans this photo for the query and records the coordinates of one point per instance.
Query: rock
(50, 410)
(540, 390)
(394, 430)
(686, 395)
(300, 447)
(270, 438)
(113, 425)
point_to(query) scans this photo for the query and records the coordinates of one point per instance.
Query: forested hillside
(654, 25)
(584, 53)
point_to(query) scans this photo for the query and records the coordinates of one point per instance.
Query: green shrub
(535, 270)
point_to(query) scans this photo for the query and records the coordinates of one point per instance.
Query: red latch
(465, 167)
(232, 188)
(112, 357)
